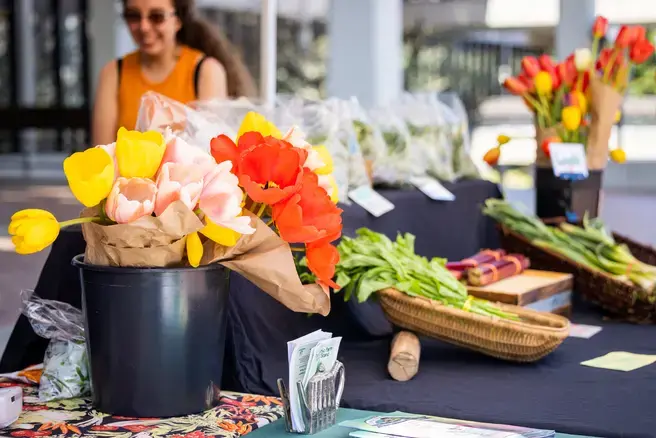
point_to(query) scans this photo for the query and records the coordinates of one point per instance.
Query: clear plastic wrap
(463, 164)
(65, 364)
(400, 161)
(428, 133)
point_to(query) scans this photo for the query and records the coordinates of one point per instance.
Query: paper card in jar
(371, 200)
(432, 188)
(568, 160)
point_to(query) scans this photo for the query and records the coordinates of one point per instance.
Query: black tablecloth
(555, 393)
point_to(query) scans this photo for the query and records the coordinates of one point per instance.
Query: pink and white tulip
(296, 138)
(221, 199)
(178, 182)
(130, 199)
(179, 151)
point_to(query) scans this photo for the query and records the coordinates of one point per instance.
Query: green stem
(609, 66)
(298, 249)
(547, 114)
(269, 222)
(557, 103)
(595, 49)
(260, 211)
(79, 220)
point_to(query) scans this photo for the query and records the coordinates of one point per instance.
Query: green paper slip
(621, 361)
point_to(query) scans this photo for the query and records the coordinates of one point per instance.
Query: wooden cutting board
(541, 290)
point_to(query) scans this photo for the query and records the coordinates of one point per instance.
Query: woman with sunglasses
(179, 55)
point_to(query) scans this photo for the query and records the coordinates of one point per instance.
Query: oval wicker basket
(528, 340)
(619, 298)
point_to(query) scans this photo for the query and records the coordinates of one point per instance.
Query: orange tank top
(180, 84)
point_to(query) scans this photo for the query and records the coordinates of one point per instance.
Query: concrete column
(366, 50)
(574, 28)
(102, 48)
(27, 76)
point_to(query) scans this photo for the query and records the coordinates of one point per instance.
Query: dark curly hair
(198, 34)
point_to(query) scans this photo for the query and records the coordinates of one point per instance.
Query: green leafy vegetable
(371, 262)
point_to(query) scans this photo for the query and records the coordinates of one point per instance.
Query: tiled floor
(630, 214)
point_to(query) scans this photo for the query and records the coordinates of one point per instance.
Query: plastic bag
(428, 133)
(346, 135)
(463, 165)
(399, 161)
(65, 364)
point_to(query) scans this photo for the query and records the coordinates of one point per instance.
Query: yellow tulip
(255, 122)
(618, 155)
(571, 116)
(618, 116)
(33, 230)
(139, 154)
(326, 159)
(194, 249)
(543, 83)
(503, 139)
(221, 235)
(90, 175)
(581, 101)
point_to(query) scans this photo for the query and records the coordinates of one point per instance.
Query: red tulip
(555, 79)
(639, 34)
(528, 82)
(515, 86)
(600, 27)
(530, 66)
(625, 37)
(641, 51)
(547, 142)
(566, 72)
(546, 63)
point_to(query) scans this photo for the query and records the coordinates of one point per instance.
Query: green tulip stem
(79, 220)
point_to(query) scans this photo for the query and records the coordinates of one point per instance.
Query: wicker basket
(532, 338)
(617, 297)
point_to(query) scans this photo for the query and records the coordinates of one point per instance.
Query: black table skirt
(556, 392)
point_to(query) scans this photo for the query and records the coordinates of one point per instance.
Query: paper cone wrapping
(604, 103)
(541, 160)
(148, 242)
(263, 257)
(266, 260)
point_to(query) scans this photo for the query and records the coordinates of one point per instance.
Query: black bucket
(155, 337)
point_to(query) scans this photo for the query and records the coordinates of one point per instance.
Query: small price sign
(371, 200)
(568, 160)
(432, 188)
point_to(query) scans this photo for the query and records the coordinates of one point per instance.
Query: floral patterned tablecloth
(236, 415)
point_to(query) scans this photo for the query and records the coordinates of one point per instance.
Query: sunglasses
(154, 17)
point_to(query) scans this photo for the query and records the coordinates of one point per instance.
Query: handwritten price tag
(568, 160)
(432, 188)
(371, 200)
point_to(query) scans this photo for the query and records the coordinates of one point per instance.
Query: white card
(432, 188)
(568, 159)
(371, 200)
(583, 331)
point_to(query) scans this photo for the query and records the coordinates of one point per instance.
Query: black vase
(155, 337)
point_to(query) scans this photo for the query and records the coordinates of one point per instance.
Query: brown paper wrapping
(266, 260)
(263, 258)
(147, 242)
(541, 160)
(604, 103)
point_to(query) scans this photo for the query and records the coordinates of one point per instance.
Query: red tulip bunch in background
(577, 100)
(614, 62)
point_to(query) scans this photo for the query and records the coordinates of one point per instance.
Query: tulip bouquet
(154, 200)
(578, 99)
